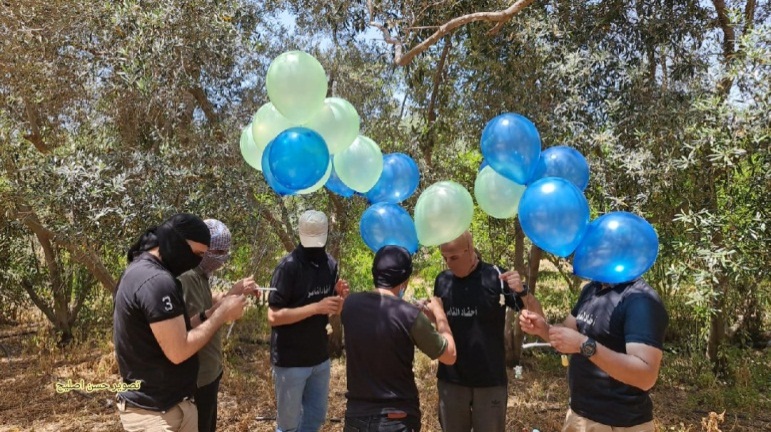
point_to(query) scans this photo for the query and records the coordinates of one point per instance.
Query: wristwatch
(524, 291)
(588, 348)
(202, 316)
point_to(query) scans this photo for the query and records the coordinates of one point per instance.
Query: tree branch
(79, 253)
(498, 17)
(35, 137)
(284, 234)
(206, 106)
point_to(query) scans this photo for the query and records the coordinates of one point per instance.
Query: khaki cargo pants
(576, 423)
(183, 417)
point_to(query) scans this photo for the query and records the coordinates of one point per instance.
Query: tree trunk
(339, 222)
(513, 335)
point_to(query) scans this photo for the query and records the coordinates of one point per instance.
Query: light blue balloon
(335, 185)
(298, 158)
(511, 145)
(397, 182)
(270, 179)
(617, 247)
(554, 215)
(388, 224)
(564, 162)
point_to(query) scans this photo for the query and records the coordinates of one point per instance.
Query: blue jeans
(301, 397)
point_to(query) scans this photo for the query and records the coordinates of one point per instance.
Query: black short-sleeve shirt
(476, 311)
(148, 293)
(299, 282)
(614, 316)
(380, 339)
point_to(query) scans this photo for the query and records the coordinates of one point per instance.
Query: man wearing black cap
(381, 331)
(154, 341)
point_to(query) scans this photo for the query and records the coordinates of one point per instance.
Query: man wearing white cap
(307, 291)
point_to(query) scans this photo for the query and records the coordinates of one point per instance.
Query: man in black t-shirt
(473, 391)
(307, 291)
(381, 333)
(615, 334)
(154, 344)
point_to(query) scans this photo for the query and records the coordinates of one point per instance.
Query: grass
(688, 397)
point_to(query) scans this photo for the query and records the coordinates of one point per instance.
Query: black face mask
(316, 255)
(176, 253)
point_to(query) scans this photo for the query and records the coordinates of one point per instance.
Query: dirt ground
(29, 402)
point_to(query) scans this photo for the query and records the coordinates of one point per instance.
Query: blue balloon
(298, 158)
(564, 162)
(482, 165)
(617, 247)
(511, 145)
(397, 182)
(270, 179)
(554, 215)
(334, 184)
(388, 224)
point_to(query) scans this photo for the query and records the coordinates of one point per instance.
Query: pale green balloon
(319, 184)
(297, 85)
(443, 212)
(267, 123)
(360, 165)
(337, 122)
(496, 195)
(252, 155)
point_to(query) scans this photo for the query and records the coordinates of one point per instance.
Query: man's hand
(566, 340)
(231, 307)
(329, 305)
(434, 309)
(534, 324)
(244, 286)
(342, 289)
(513, 280)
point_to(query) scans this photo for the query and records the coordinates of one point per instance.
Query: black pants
(206, 401)
(381, 423)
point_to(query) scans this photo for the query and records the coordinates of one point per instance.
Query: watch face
(588, 348)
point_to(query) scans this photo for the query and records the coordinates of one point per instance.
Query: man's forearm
(286, 316)
(627, 368)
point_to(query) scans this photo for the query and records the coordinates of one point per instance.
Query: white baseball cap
(314, 227)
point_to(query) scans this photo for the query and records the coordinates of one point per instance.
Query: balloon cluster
(545, 190)
(302, 141)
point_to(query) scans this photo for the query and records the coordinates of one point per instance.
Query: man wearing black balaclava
(307, 291)
(154, 343)
(381, 333)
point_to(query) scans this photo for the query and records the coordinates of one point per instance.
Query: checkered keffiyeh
(220, 235)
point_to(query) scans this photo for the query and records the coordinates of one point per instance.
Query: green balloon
(319, 184)
(497, 195)
(297, 85)
(252, 155)
(337, 122)
(360, 165)
(443, 212)
(267, 123)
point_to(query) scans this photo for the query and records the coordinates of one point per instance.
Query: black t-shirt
(477, 319)
(299, 282)
(615, 316)
(381, 333)
(148, 293)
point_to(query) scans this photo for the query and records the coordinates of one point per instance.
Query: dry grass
(247, 403)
